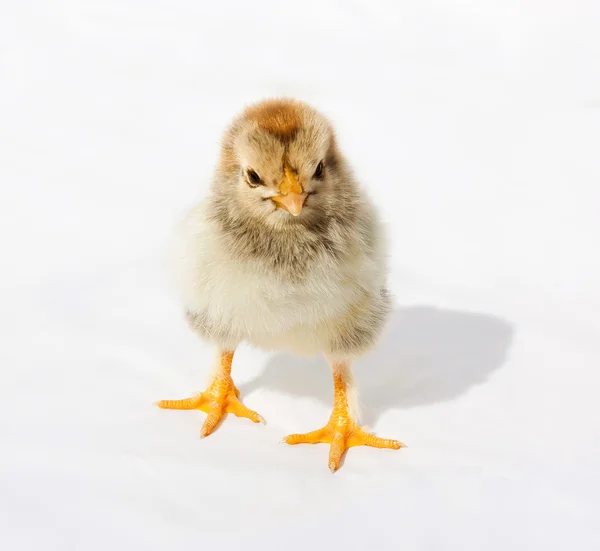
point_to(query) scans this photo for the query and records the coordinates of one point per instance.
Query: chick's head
(279, 162)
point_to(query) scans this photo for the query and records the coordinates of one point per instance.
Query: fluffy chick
(285, 252)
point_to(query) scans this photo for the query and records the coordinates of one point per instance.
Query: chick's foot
(219, 398)
(341, 432)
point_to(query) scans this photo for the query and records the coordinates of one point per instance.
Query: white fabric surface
(476, 128)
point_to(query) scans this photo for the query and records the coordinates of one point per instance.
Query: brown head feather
(279, 117)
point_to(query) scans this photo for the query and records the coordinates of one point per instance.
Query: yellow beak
(292, 196)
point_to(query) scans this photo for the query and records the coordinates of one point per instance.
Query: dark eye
(319, 171)
(253, 178)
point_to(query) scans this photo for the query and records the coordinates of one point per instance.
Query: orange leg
(219, 398)
(341, 431)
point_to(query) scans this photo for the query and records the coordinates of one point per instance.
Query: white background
(475, 127)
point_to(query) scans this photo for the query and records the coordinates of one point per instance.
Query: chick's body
(301, 293)
(285, 252)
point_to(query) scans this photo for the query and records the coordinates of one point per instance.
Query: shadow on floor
(427, 355)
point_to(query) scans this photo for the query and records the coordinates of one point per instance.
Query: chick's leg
(219, 398)
(342, 432)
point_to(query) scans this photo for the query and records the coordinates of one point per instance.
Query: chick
(285, 253)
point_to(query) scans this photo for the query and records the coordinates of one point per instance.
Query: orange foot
(341, 434)
(219, 398)
(341, 431)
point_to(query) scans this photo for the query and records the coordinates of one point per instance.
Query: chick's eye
(319, 171)
(253, 178)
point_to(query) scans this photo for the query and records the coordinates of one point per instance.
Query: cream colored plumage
(286, 252)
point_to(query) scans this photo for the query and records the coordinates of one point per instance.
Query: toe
(211, 421)
(336, 451)
(361, 438)
(314, 437)
(240, 410)
(186, 403)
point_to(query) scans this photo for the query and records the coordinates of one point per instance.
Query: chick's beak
(291, 196)
(292, 202)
